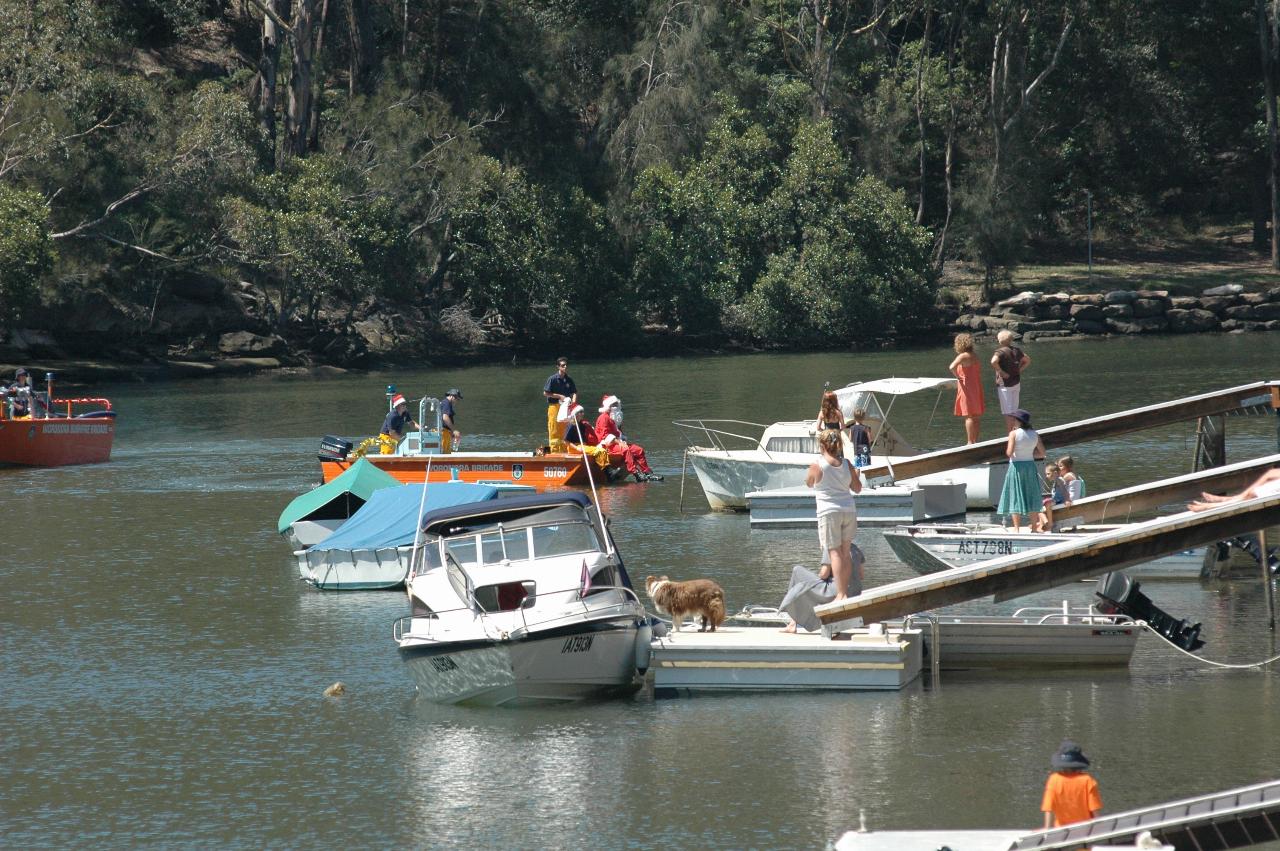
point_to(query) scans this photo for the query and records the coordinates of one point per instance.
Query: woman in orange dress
(970, 403)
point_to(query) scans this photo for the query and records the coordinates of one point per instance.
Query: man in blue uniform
(558, 388)
(449, 434)
(395, 425)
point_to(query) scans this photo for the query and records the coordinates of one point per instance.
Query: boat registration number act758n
(984, 548)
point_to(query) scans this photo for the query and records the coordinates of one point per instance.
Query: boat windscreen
(490, 522)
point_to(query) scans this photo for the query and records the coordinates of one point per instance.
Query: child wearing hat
(1070, 793)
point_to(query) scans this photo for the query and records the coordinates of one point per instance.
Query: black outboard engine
(1121, 595)
(333, 448)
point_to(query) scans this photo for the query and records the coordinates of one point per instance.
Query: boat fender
(644, 640)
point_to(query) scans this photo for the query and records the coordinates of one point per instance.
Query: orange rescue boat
(55, 435)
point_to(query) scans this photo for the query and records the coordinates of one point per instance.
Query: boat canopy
(390, 517)
(862, 394)
(340, 498)
(506, 511)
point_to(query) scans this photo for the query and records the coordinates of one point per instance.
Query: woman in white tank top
(1020, 496)
(835, 481)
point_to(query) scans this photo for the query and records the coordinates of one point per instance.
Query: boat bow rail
(717, 434)
(403, 626)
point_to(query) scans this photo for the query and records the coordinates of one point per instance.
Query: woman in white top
(835, 481)
(1021, 494)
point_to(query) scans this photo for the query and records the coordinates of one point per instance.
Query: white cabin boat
(928, 548)
(781, 453)
(746, 659)
(520, 601)
(885, 505)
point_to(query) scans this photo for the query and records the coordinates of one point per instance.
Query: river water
(164, 668)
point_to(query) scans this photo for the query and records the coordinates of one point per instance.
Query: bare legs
(971, 427)
(841, 570)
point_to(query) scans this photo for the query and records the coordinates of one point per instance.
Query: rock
(247, 343)
(1267, 311)
(1120, 297)
(1088, 298)
(1184, 302)
(1087, 313)
(1240, 313)
(1238, 326)
(204, 289)
(1226, 289)
(1090, 326)
(1253, 298)
(1050, 310)
(1146, 325)
(1047, 335)
(1161, 294)
(1118, 311)
(1218, 304)
(1272, 294)
(244, 365)
(1020, 301)
(1190, 321)
(1051, 325)
(378, 334)
(1273, 325)
(1144, 307)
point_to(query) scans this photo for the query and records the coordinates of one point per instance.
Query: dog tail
(716, 608)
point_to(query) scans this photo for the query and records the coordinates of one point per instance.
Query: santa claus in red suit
(621, 450)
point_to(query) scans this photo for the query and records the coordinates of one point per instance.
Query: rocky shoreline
(1033, 315)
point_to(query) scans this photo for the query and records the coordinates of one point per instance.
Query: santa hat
(567, 413)
(398, 400)
(608, 402)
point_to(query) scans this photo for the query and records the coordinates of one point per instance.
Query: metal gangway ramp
(1237, 818)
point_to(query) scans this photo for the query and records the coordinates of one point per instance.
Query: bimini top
(898, 386)
(337, 499)
(390, 517)
(504, 511)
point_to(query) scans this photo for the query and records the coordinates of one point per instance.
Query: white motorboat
(928, 548)
(781, 453)
(519, 601)
(884, 505)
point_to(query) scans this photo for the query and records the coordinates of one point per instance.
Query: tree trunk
(268, 62)
(1267, 43)
(360, 28)
(313, 131)
(924, 55)
(298, 117)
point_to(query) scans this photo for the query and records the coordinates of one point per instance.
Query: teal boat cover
(390, 517)
(338, 499)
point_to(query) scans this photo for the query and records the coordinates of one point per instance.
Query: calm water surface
(163, 667)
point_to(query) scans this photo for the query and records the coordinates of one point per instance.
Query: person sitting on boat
(396, 425)
(449, 434)
(829, 415)
(861, 438)
(581, 437)
(1268, 484)
(1055, 494)
(1021, 495)
(1075, 484)
(622, 451)
(20, 394)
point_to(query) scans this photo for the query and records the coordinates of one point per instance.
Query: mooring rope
(1185, 652)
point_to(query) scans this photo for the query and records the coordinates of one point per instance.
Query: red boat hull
(541, 471)
(56, 442)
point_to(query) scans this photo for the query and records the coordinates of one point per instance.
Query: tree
(26, 252)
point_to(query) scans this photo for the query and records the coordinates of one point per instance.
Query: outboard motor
(1249, 543)
(1121, 595)
(333, 448)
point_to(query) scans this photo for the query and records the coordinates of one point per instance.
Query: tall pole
(1089, 220)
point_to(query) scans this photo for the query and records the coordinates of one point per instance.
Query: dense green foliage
(565, 172)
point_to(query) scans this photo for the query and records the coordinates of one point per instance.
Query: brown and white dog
(697, 597)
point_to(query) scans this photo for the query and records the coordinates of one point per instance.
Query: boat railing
(104, 405)
(404, 625)
(717, 434)
(1066, 615)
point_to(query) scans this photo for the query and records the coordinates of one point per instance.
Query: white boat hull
(354, 570)
(586, 660)
(890, 505)
(921, 550)
(308, 533)
(727, 476)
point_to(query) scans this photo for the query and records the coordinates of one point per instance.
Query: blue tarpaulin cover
(390, 516)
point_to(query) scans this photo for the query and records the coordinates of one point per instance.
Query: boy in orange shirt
(1070, 794)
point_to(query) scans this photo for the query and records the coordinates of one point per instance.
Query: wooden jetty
(1258, 395)
(1013, 576)
(1236, 818)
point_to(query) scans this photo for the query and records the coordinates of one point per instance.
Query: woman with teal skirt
(1021, 495)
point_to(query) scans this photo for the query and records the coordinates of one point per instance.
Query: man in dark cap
(1070, 793)
(449, 434)
(20, 394)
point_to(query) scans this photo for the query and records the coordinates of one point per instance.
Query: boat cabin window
(799, 443)
(505, 545)
(428, 558)
(564, 539)
(607, 578)
(463, 549)
(505, 596)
